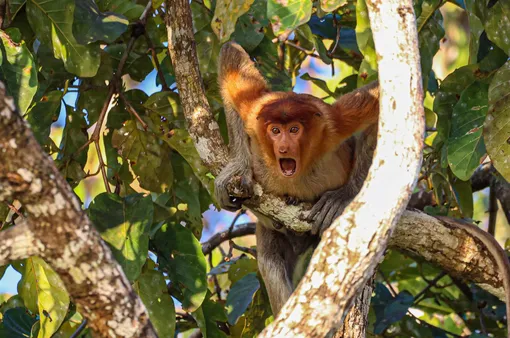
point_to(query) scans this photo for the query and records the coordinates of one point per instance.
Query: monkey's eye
(294, 130)
(275, 130)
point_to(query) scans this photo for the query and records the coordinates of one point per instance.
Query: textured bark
(202, 126)
(356, 321)
(453, 249)
(352, 247)
(62, 233)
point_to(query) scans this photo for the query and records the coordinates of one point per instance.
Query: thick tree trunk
(58, 230)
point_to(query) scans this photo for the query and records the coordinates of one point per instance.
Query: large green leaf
(149, 159)
(43, 114)
(465, 143)
(130, 9)
(225, 17)
(475, 29)
(447, 97)
(287, 15)
(180, 253)
(138, 66)
(90, 25)
(124, 224)
(182, 143)
(430, 33)
(497, 25)
(389, 309)
(18, 70)
(152, 289)
(240, 296)
(52, 22)
(44, 293)
(497, 131)
(249, 30)
(17, 323)
(207, 317)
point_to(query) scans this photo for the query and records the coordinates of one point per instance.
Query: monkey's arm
(240, 84)
(355, 111)
(332, 203)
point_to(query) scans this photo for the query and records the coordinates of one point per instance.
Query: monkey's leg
(271, 248)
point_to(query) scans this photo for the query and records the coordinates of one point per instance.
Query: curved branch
(66, 239)
(216, 240)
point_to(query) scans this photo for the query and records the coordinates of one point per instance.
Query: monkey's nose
(282, 150)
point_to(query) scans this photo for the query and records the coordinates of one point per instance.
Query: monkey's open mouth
(288, 166)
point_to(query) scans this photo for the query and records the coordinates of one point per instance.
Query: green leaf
(249, 30)
(18, 70)
(151, 288)
(389, 310)
(318, 82)
(124, 224)
(91, 25)
(475, 29)
(43, 114)
(447, 97)
(465, 143)
(496, 132)
(15, 6)
(52, 22)
(74, 136)
(225, 17)
(368, 69)
(138, 66)
(241, 268)
(240, 296)
(267, 56)
(149, 159)
(497, 25)
(17, 323)
(331, 5)
(287, 15)
(463, 195)
(182, 143)
(91, 101)
(430, 33)
(206, 317)
(180, 253)
(208, 49)
(129, 9)
(44, 293)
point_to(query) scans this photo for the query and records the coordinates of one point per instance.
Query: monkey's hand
(232, 186)
(328, 208)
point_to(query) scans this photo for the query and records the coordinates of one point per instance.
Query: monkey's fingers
(319, 213)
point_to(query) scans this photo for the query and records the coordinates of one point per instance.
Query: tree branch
(74, 249)
(216, 240)
(18, 242)
(202, 126)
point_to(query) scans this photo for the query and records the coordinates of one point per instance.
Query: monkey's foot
(329, 207)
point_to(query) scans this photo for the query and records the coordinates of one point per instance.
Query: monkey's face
(286, 139)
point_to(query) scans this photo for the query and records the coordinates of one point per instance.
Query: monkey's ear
(240, 81)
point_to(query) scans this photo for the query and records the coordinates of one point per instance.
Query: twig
(217, 287)
(113, 87)
(15, 210)
(387, 281)
(239, 213)
(493, 208)
(161, 76)
(304, 50)
(132, 110)
(244, 249)
(337, 38)
(80, 329)
(429, 285)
